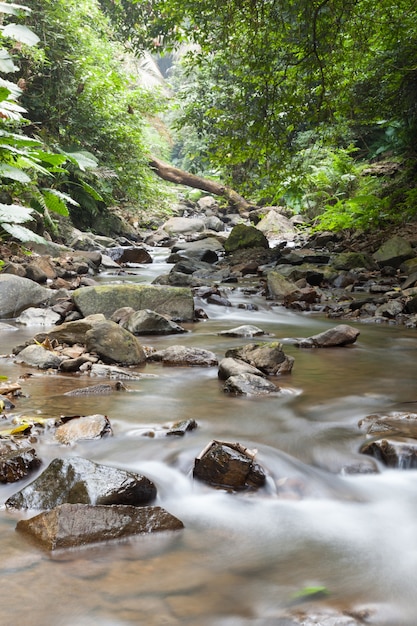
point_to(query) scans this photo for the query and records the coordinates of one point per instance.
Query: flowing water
(241, 557)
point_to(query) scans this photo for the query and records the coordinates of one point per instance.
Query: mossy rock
(242, 236)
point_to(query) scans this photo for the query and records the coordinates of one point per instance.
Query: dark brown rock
(341, 335)
(16, 461)
(72, 525)
(400, 452)
(228, 465)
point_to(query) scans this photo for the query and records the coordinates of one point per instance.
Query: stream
(242, 558)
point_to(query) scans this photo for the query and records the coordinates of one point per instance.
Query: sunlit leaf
(21, 33)
(6, 62)
(55, 203)
(22, 234)
(93, 192)
(83, 159)
(14, 9)
(14, 173)
(15, 213)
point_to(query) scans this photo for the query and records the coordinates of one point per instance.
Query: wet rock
(5, 403)
(181, 355)
(71, 332)
(197, 249)
(242, 236)
(235, 367)
(116, 373)
(274, 225)
(351, 260)
(114, 344)
(176, 302)
(394, 252)
(267, 357)
(390, 309)
(18, 293)
(229, 465)
(243, 331)
(147, 322)
(180, 428)
(397, 423)
(400, 453)
(324, 617)
(341, 335)
(216, 298)
(77, 480)
(279, 287)
(16, 461)
(129, 254)
(249, 384)
(83, 428)
(39, 356)
(38, 317)
(72, 525)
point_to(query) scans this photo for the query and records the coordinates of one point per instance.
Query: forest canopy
(310, 104)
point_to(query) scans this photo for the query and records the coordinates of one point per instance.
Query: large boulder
(77, 480)
(242, 236)
(18, 293)
(129, 254)
(114, 344)
(176, 302)
(279, 287)
(274, 225)
(183, 225)
(247, 384)
(71, 332)
(71, 525)
(394, 252)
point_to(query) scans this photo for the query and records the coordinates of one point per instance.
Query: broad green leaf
(14, 173)
(15, 213)
(50, 157)
(4, 92)
(17, 140)
(91, 191)
(22, 234)
(55, 203)
(15, 91)
(14, 9)
(311, 592)
(11, 110)
(85, 160)
(6, 63)
(21, 33)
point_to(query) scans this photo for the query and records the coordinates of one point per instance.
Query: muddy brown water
(241, 557)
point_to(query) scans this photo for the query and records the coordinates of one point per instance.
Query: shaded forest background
(307, 104)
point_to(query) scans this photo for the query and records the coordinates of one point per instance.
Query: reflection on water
(240, 557)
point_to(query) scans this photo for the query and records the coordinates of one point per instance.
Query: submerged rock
(243, 331)
(80, 481)
(229, 465)
(72, 525)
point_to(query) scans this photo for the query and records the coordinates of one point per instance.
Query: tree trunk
(180, 177)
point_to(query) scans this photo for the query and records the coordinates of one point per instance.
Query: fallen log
(181, 177)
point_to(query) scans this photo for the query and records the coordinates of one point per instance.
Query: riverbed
(242, 558)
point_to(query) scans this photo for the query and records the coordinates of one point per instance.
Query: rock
(242, 236)
(178, 429)
(351, 260)
(249, 384)
(38, 356)
(267, 357)
(71, 332)
(390, 309)
(18, 294)
(76, 480)
(83, 427)
(229, 465)
(198, 248)
(176, 302)
(72, 525)
(146, 322)
(235, 367)
(116, 373)
(274, 225)
(394, 252)
(219, 300)
(114, 344)
(341, 335)
(38, 317)
(243, 331)
(16, 461)
(279, 287)
(103, 388)
(129, 254)
(212, 222)
(181, 355)
(400, 453)
(183, 225)
(397, 423)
